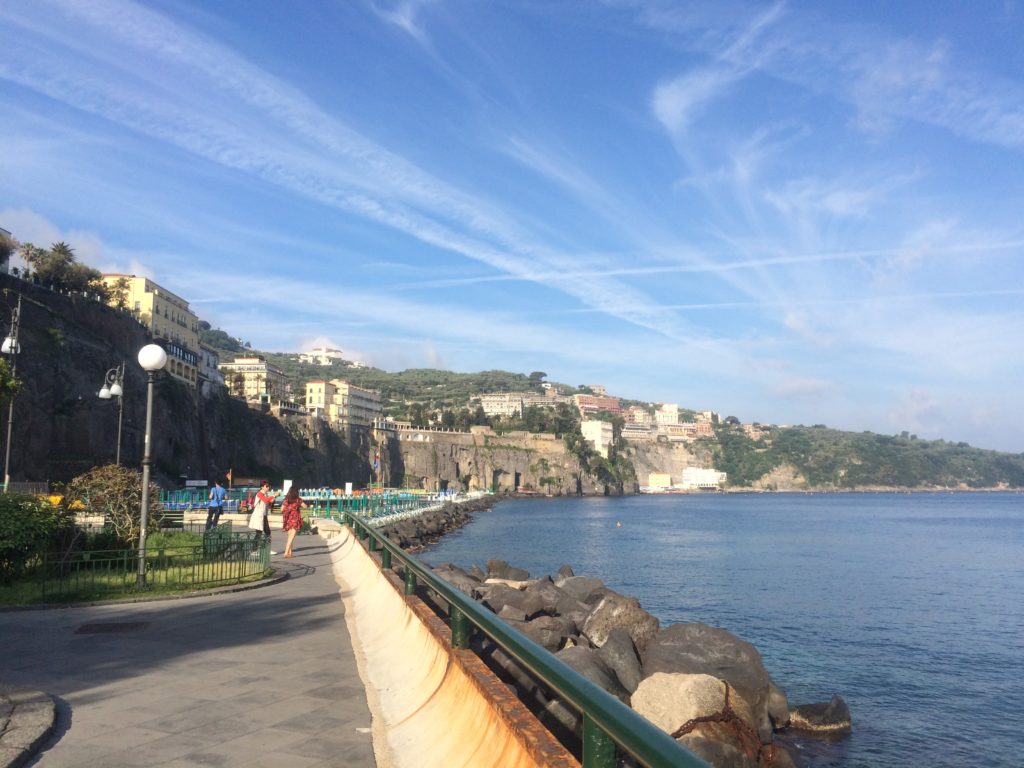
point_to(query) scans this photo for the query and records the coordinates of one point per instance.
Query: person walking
(291, 514)
(217, 496)
(259, 519)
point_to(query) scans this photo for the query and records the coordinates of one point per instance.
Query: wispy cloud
(403, 15)
(318, 156)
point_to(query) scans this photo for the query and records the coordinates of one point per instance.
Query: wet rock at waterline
(831, 718)
(702, 684)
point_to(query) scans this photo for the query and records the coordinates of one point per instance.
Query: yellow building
(320, 398)
(254, 379)
(167, 317)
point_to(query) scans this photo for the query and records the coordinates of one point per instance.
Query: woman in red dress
(291, 516)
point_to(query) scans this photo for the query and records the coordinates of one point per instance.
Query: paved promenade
(265, 677)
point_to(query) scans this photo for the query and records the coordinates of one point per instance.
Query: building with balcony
(167, 316)
(354, 406)
(636, 414)
(639, 433)
(667, 413)
(320, 398)
(254, 379)
(502, 403)
(590, 404)
(210, 377)
(599, 433)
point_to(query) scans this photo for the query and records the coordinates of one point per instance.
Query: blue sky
(801, 212)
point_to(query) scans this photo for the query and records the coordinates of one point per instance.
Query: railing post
(385, 559)
(598, 746)
(410, 581)
(460, 628)
(371, 545)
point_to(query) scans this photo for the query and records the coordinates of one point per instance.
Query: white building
(502, 403)
(702, 479)
(210, 377)
(320, 356)
(639, 433)
(667, 413)
(599, 433)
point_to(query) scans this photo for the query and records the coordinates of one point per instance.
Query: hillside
(821, 458)
(785, 458)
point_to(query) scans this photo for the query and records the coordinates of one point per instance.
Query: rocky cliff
(438, 460)
(61, 428)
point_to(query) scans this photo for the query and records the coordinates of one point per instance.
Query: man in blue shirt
(217, 496)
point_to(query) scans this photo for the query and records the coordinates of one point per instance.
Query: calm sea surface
(910, 606)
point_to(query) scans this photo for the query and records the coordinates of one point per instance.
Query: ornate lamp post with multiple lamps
(11, 347)
(152, 358)
(113, 387)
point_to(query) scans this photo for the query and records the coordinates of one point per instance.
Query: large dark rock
(548, 631)
(613, 611)
(571, 608)
(700, 649)
(497, 596)
(619, 653)
(831, 718)
(579, 587)
(778, 706)
(588, 663)
(499, 569)
(458, 578)
(545, 595)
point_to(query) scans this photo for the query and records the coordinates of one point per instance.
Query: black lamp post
(11, 347)
(113, 387)
(152, 358)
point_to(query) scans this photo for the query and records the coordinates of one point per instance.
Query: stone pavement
(263, 677)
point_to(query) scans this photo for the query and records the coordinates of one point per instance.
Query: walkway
(265, 677)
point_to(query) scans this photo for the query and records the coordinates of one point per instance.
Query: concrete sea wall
(433, 705)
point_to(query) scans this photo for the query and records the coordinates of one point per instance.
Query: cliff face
(61, 428)
(666, 458)
(440, 460)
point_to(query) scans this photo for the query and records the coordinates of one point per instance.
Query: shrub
(29, 526)
(115, 493)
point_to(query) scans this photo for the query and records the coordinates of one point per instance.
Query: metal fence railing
(609, 726)
(222, 558)
(27, 487)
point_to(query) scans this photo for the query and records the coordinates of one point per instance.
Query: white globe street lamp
(11, 347)
(112, 387)
(152, 358)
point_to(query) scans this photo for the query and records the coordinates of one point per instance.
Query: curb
(27, 720)
(269, 581)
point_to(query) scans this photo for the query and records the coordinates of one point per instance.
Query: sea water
(910, 606)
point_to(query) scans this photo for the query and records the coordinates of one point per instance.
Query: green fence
(222, 558)
(371, 505)
(609, 726)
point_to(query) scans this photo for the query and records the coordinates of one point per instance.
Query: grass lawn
(175, 563)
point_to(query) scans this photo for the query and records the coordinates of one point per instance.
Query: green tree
(119, 293)
(8, 247)
(10, 387)
(115, 493)
(29, 526)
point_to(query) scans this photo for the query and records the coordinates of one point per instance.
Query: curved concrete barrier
(433, 705)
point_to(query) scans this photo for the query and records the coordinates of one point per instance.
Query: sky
(792, 212)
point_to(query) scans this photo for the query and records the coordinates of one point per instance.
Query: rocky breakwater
(415, 533)
(703, 685)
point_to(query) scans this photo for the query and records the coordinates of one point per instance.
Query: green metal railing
(371, 505)
(608, 724)
(222, 558)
